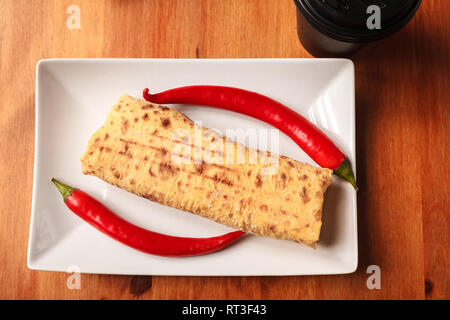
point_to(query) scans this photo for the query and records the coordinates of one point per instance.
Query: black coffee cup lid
(346, 20)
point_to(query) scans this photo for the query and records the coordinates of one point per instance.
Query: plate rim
(33, 265)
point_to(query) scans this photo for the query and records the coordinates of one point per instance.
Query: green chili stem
(64, 189)
(345, 171)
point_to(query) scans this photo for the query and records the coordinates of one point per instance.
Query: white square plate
(72, 99)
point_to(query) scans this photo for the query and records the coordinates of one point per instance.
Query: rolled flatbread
(158, 153)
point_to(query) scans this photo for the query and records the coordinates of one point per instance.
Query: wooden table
(402, 97)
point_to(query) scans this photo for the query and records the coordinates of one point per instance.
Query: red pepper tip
(146, 95)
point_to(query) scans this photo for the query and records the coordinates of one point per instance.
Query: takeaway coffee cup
(338, 28)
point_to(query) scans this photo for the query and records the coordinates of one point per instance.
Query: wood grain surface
(403, 147)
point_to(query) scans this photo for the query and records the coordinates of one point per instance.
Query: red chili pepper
(97, 215)
(310, 138)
